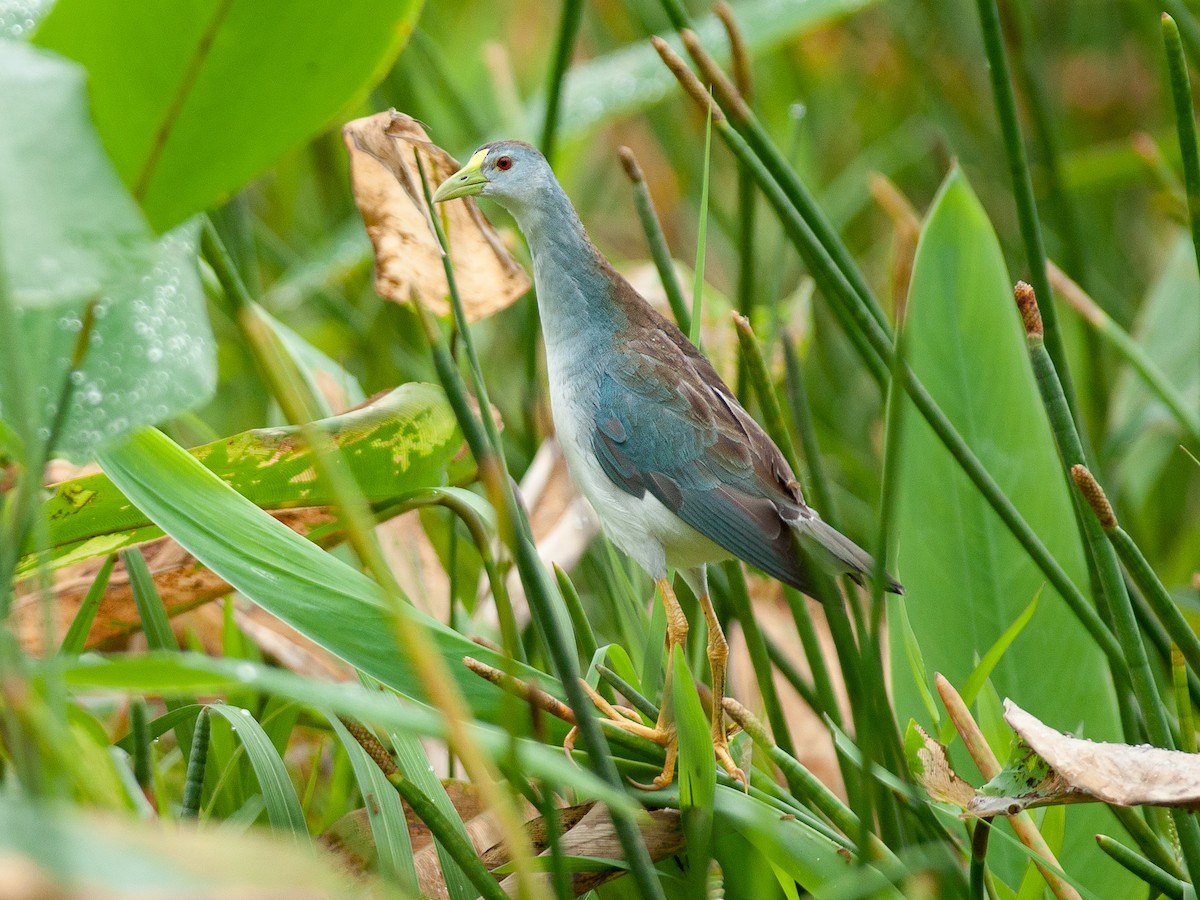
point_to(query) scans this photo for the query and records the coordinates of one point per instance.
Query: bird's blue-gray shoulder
(667, 425)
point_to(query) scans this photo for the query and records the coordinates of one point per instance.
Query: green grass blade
(697, 773)
(283, 806)
(384, 811)
(701, 237)
(76, 636)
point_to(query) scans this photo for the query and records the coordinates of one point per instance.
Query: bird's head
(512, 173)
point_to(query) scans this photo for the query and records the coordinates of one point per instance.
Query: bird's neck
(573, 289)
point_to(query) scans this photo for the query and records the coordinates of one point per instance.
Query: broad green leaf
(68, 227)
(176, 674)
(193, 99)
(70, 236)
(404, 442)
(283, 806)
(966, 577)
(384, 811)
(325, 599)
(1155, 479)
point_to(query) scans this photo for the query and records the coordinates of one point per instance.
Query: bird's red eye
(504, 163)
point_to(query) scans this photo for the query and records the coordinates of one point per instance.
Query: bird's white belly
(642, 527)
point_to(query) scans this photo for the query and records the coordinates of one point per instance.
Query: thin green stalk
(812, 789)
(629, 692)
(757, 137)
(453, 842)
(1189, 28)
(1183, 702)
(549, 616)
(760, 380)
(1112, 584)
(1061, 203)
(290, 391)
(793, 677)
(193, 785)
(1165, 608)
(1157, 723)
(1159, 640)
(701, 237)
(1130, 351)
(1158, 880)
(568, 29)
(510, 634)
(827, 703)
(142, 767)
(659, 251)
(802, 421)
(1022, 185)
(1185, 123)
(759, 658)
(840, 292)
(979, 846)
(746, 293)
(75, 639)
(1148, 842)
(580, 623)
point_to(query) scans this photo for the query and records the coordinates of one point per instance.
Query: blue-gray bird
(678, 472)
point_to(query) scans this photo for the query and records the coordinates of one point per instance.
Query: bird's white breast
(642, 527)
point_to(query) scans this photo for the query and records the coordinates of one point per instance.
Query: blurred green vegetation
(848, 90)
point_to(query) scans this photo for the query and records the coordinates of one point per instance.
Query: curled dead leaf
(1120, 774)
(387, 187)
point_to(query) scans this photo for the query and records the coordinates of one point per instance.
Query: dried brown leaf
(182, 582)
(940, 781)
(408, 262)
(1120, 774)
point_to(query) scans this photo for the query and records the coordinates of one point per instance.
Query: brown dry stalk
(687, 78)
(989, 767)
(530, 693)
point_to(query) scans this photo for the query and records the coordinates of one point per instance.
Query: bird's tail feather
(836, 552)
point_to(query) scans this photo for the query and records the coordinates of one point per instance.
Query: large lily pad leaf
(194, 98)
(71, 238)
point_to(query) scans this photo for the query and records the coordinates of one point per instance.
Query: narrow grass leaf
(76, 636)
(336, 606)
(283, 806)
(385, 813)
(413, 762)
(697, 772)
(983, 670)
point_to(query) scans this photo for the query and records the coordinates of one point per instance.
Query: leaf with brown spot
(408, 261)
(931, 767)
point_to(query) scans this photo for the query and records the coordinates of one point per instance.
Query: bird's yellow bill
(467, 181)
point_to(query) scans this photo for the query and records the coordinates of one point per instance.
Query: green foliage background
(126, 123)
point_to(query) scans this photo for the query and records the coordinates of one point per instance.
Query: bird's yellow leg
(663, 733)
(718, 660)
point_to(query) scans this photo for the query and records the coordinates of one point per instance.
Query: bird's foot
(663, 734)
